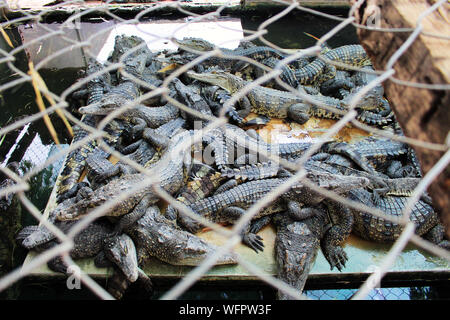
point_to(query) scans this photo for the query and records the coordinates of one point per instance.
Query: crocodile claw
(336, 257)
(253, 241)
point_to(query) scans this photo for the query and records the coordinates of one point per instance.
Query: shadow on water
(28, 145)
(290, 32)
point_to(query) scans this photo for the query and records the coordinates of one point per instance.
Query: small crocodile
(353, 55)
(261, 100)
(231, 140)
(297, 243)
(152, 117)
(171, 177)
(230, 60)
(87, 243)
(75, 161)
(193, 100)
(230, 205)
(368, 153)
(257, 53)
(272, 102)
(371, 227)
(156, 236)
(140, 63)
(389, 195)
(205, 180)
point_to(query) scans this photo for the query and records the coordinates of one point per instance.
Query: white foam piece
(225, 34)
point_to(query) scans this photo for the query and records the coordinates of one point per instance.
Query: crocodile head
(196, 44)
(123, 44)
(219, 78)
(125, 94)
(122, 252)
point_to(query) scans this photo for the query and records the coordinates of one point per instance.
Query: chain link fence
(67, 37)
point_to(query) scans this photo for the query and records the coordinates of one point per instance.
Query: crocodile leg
(296, 211)
(117, 284)
(72, 192)
(156, 139)
(131, 147)
(128, 219)
(259, 223)
(436, 236)
(250, 239)
(246, 107)
(331, 244)
(138, 128)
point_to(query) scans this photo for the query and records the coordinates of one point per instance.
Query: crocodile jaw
(97, 109)
(122, 252)
(218, 79)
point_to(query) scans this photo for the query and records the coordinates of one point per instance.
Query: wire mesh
(66, 37)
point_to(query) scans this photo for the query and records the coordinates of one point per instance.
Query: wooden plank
(423, 114)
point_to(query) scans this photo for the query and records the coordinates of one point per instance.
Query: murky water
(33, 142)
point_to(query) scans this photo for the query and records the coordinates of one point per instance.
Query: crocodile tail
(253, 171)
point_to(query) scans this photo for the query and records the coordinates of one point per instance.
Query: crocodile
(254, 52)
(297, 243)
(353, 55)
(204, 181)
(100, 170)
(369, 153)
(216, 98)
(193, 100)
(170, 176)
(156, 236)
(257, 53)
(225, 145)
(230, 58)
(389, 195)
(75, 161)
(207, 180)
(261, 100)
(230, 205)
(279, 104)
(139, 114)
(247, 140)
(379, 183)
(87, 243)
(139, 63)
(371, 227)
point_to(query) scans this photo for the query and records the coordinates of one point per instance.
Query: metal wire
(7, 59)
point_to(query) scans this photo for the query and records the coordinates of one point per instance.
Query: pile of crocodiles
(155, 138)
